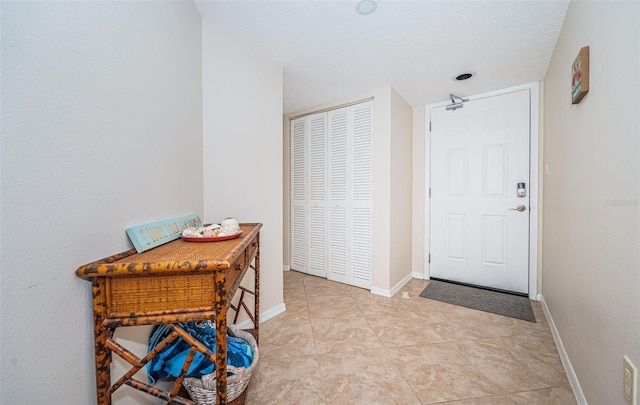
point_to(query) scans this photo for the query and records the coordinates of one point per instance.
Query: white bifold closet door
(350, 185)
(308, 216)
(331, 218)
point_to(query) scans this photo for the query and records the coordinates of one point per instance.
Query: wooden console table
(176, 282)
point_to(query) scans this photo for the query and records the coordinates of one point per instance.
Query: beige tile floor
(338, 344)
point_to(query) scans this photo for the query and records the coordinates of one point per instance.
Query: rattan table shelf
(177, 282)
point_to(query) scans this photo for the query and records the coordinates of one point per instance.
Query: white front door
(479, 155)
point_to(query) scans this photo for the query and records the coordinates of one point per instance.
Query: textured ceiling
(330, 52)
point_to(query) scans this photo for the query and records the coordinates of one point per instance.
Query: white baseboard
(380, 291)
(395, 289)
(571, 375)
(264, 316)
(420, 276)
(286, 267)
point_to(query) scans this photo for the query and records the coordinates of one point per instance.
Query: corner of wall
(401, 158)
(541, 161)
(236, 129)
(418, 192)
(564, 357)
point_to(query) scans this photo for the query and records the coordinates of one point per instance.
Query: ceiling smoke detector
(366, 7)
(463, 76)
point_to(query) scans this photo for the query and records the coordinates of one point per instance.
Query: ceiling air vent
(463, 76)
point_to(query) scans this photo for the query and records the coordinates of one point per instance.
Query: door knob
(520, 208)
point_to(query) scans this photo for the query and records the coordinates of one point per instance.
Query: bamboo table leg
(221, 338)
(256, 308)
(101, 335)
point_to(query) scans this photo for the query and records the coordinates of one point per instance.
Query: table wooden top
(172, 257)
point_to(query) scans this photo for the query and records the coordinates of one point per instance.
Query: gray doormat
(477, 298)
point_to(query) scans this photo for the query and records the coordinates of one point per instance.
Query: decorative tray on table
(210, 233)
(211, 239)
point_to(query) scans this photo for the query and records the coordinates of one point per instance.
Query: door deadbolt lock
(520, 208)
(522, 190)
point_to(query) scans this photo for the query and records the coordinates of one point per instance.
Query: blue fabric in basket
(170, 360)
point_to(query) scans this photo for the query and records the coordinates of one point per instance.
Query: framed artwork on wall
(580, 75)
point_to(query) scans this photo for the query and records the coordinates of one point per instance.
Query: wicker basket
(203, 391)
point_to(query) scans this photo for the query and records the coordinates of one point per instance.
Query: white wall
(591, 265)
(381, 230)
(101, 130)
(242, 110)
(401, 190)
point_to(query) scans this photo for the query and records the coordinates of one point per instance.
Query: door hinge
(429, 257)
(429, 192)
(429, 126)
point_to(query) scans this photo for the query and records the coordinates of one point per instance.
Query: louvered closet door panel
(362, 160)
(338, 244)
(317, 157)
(338, 155)
(317, 167)
(317, 241)
(298, 239)
(338, 178)
(361, 247)
(350, 185)
(298, 195)
(298, 160)
(360, 203)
